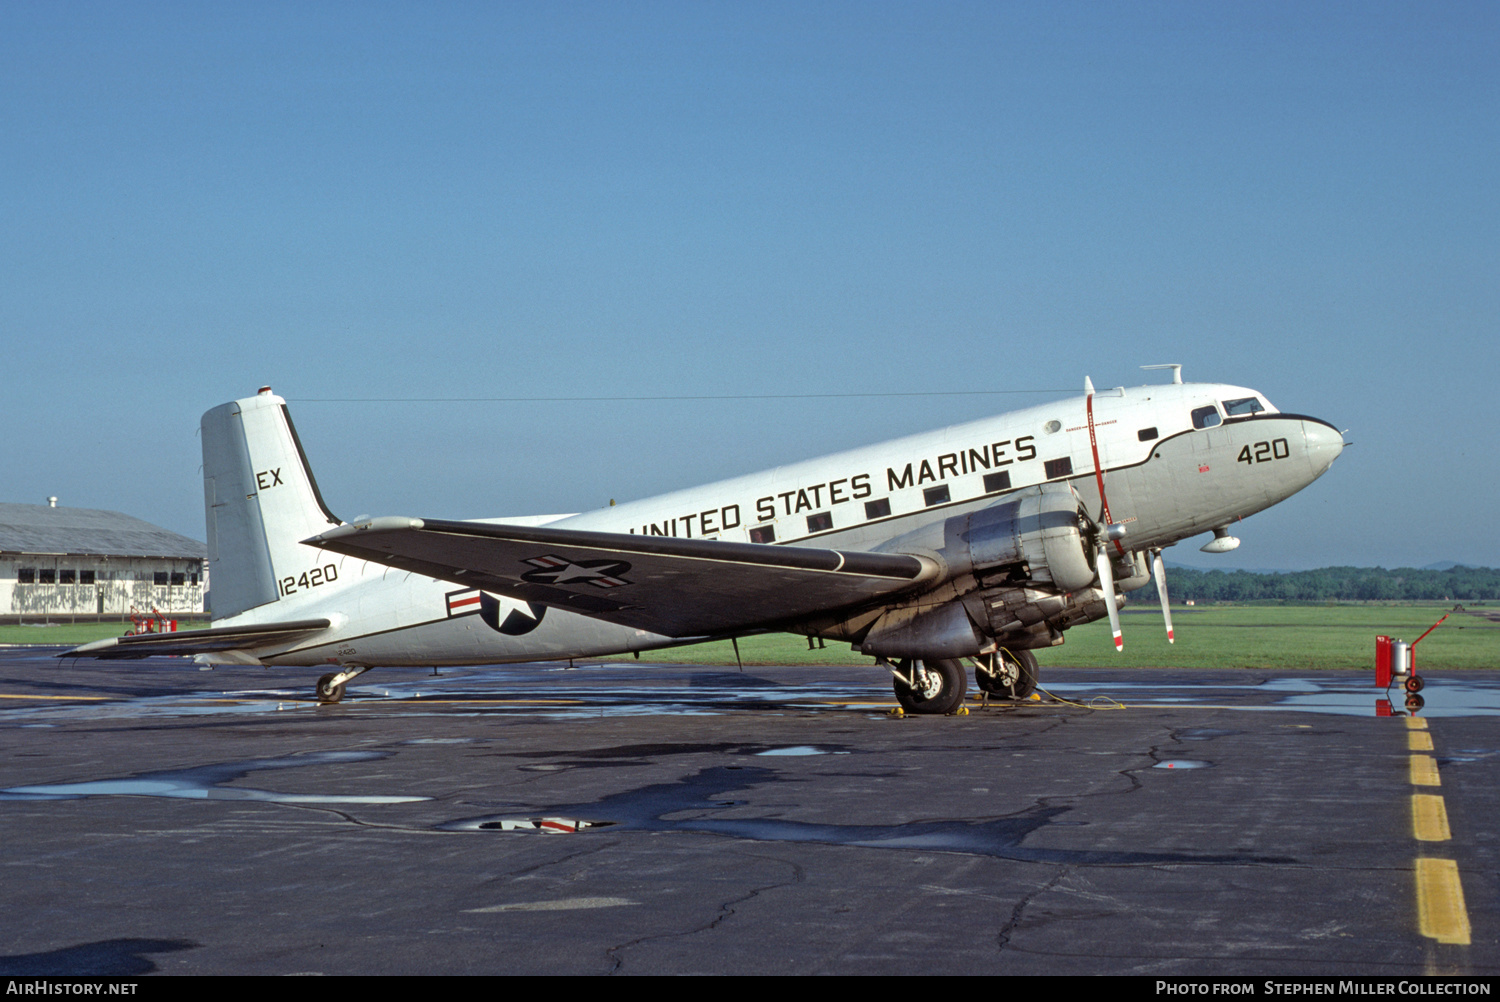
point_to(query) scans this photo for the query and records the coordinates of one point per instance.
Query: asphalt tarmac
(642, 819)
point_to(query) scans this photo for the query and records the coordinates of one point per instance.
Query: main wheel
(936, 686)
(327, 691)
(1013, 677)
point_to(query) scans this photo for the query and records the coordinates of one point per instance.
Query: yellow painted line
(17, 695)
(1418, 741)
(1416, 723)
(1441, 914)
(1429, 818)
(1424, 771)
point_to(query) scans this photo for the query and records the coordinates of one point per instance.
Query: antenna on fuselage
(1175, 367)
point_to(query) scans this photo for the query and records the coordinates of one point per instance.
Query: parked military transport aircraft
(979, 542)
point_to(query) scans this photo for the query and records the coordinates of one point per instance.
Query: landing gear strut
(929, 686)
(1008, 674)
(331, 686)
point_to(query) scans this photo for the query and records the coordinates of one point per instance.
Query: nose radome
(1324, 443)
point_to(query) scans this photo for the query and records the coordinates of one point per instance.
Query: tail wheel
(1013, 676)
(930, 686)
(327, 691)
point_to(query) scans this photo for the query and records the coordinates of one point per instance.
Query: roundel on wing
(510, 617)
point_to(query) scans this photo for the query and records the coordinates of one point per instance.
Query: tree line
(1348, 584)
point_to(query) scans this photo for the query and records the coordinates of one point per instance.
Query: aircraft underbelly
(469, 640)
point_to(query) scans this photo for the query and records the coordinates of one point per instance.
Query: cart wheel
(1414, 683)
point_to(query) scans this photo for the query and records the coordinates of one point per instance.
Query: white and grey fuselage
(1176, 460)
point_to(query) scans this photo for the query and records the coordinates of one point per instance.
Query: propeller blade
(1159, 571)
(1107, 582)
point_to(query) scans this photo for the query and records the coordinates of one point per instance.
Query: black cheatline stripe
(1239, 418)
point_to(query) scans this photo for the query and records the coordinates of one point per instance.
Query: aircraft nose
(1324, 443)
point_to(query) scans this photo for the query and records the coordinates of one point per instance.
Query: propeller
(1113, 533)
(1107, 579)
(1159, 572)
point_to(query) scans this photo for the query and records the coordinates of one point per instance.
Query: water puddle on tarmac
(701, 803)
(204, 783)
(1343, 695)
(629, 689)
(798, 750)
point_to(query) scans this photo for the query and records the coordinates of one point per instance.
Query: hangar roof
(40, 528)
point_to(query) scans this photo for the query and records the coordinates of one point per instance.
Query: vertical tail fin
(260, 501)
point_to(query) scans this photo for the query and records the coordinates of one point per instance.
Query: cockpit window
(1244, 405)
(1206, 417)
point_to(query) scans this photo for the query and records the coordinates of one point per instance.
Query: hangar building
(81, 564)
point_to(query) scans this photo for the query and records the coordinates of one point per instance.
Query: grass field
(1239, 636)
(1232, 636)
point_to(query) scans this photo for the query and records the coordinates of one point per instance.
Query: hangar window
(1146, 434)
(193, 579)
(878, 509)
(996, 482)
(26, 575)
(936, 495)
(47, 576)
(1243, 406)
(1206, 417)
(763, 534)
(67, 576)
(821, 522)
(85, 577)
(160, 577)
(1059, 467)
(178, 579)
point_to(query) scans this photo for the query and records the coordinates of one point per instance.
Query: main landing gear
(939, 686)
(331, 686)
(929, 686)
(1007, 674)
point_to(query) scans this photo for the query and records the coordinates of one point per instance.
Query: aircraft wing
(222, 638)
(670, 586)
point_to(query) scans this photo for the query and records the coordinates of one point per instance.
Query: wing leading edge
(669, 586)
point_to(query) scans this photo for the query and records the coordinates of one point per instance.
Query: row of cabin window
(822, 521)
(67, 576)
(993, 482)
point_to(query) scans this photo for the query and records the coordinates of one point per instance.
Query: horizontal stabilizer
(222, 638)
(666, 585)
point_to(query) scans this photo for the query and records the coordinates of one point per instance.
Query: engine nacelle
(1022, 560)
(1039, 529)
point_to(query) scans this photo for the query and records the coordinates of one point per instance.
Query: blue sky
(363, 202)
